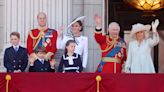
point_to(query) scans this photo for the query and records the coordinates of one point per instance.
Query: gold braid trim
(40, 35)
(110, 44)
(31, 35)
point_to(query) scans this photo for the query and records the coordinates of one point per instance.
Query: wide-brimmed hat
(140, 27)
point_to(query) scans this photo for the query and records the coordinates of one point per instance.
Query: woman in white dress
(81, 41)
(139, 53)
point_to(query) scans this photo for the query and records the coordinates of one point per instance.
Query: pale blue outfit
(139, 56)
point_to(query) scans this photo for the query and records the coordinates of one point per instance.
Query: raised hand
(60, 31)
(98, 20)
(52, 64)
(155, 25)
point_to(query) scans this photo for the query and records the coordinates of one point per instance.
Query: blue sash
(111, 53)
(115, 50)
(48, 35)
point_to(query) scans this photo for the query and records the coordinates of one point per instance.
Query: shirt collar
(16, 46)
(40, 59)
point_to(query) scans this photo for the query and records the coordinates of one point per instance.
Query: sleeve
(29, 44)
(124, 53)
(129, 60)
(153, 41)
(61, 42)
(25, 61)
(50, 69)
(60, 68)
(85, 53)
(99, 37)
(80, 64)
(7, 64)
(32, 69)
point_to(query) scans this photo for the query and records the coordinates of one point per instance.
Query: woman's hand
(155, 25)
(60, 31)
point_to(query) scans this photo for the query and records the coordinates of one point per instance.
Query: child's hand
(31, 60)
(52, 64)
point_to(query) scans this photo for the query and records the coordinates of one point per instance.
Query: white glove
(155, 25)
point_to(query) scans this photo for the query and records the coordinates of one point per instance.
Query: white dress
(81, 47)
(139, 56)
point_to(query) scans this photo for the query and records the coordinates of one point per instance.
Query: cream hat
(140, 27)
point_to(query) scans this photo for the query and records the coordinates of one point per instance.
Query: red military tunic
(113, 53)
(45, 38)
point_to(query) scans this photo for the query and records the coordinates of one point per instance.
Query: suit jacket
(15, 60)
(39, 67)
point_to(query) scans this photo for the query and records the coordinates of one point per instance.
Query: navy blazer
(15, 60)
(39, 67)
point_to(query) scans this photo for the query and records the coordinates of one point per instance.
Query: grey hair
(113, 23)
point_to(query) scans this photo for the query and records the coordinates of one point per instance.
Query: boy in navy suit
(40, 64)
(15, 57)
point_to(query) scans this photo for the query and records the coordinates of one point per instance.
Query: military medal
(48, 40)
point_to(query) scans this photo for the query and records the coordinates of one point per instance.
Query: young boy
(15, 58)
(41, 65)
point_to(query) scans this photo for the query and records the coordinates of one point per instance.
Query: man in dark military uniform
(15, 58)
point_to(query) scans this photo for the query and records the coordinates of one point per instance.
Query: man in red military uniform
(42, 36)
(113, 48)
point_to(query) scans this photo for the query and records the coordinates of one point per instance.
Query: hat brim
(77, 19)
(146, 28)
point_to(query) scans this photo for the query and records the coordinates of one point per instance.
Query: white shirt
(81, 47)
(139, 56)
(16, 47)
(41, 60)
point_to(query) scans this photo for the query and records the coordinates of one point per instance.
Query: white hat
(140, 27)
(77, 19)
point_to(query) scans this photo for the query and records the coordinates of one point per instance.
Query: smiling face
(76, 28)
(71, 48)
(140, 35)
(42, 19)
(41, 55)
(14, 40)
(114, 29)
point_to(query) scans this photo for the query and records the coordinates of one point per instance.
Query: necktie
(16, 49)
(42, 61)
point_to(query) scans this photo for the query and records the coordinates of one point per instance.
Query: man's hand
(98, 20)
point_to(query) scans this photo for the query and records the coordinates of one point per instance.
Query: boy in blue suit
(40, 64)
(15, 57)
